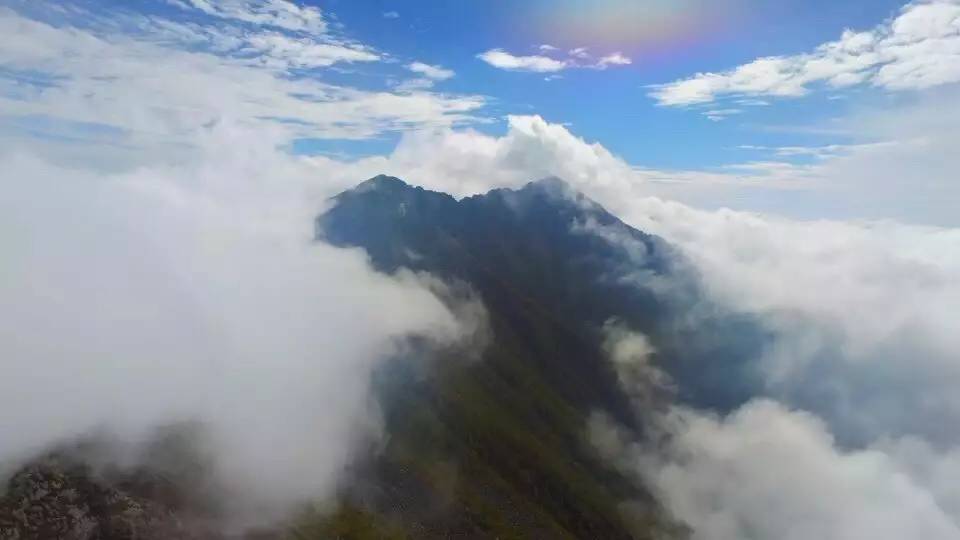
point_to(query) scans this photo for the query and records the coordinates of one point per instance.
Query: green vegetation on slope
(495, 447)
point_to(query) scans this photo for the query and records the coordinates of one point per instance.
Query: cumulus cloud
(466, 162)
(919, 48)
(898, 164)
(854, 306)
(766, 472)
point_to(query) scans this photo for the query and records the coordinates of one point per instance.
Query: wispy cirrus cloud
(273, 49)
(276, 13)
(919, 48)
(817, 152)
(718, 115)
(153, 80)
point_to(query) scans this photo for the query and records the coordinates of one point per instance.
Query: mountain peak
(551, 185)
(549, 182)
(382, 182)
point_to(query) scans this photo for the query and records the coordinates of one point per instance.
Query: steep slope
(498, 445)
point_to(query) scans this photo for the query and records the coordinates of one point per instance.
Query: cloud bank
(858, 379)
(768, 472)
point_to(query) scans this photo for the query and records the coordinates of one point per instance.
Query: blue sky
(612, 106)
(739, 93)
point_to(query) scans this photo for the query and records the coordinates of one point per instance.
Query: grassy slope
(495, 448)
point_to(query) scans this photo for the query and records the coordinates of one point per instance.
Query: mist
(195, 293)
(850, 432)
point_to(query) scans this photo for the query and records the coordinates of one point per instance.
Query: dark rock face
(76, 492)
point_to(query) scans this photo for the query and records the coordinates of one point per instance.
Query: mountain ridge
(542, 375)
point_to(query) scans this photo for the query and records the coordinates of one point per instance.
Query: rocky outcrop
(56, 499)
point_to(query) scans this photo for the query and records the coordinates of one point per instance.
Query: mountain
(548, 248)
(497, 448)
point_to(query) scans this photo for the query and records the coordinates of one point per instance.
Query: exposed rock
(55, 498)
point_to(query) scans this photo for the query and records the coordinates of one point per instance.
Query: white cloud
(466, 162)
(818, 152)
(501, 59)
(920, 48)
(767, 473)
(614, 59)
(436, 73)
(629, 352)
(391, 15)
(284, 52)
(193, 292)
(576, 58)
(717, 115)
(863, 305)
(169, 93)
(907, 176)
(418, 84)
